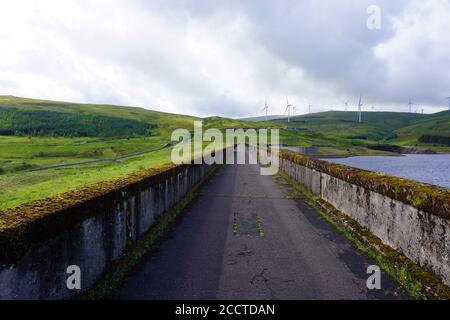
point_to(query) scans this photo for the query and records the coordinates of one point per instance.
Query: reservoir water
(432, 169)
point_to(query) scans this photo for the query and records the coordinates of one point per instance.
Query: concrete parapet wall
(40, 240)
(409, 216)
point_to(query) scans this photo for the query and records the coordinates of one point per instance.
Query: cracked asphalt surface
(249, 236)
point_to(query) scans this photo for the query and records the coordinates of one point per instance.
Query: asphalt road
(248, 237)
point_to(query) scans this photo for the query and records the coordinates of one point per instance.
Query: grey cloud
(222, 57)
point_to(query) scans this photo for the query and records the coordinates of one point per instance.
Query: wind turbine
(346, 105)
(448, 98)
(410, 104)
(294, 109)
(309, 108)
(288, 109)
(360, 109)
(266, 107)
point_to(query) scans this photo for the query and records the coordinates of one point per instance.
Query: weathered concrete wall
(309, 178)
(103, 228)
(421, 235)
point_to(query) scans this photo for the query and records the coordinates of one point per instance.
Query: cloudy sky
(215, 57)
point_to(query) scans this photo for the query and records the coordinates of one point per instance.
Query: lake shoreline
(393, 154)
(432, 169)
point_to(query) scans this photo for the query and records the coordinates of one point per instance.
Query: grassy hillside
(262, 118)
(437, 125)
(20, 154)
(51, 123)
(38, 133)
(164, 123)
(226, 123)
(342, 128)
(375, 125)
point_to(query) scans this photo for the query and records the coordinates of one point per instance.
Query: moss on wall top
(41, 219)
(37, 209)
(425, 197)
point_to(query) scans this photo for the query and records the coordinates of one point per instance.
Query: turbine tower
(346, 105)
(410, 104)
(266, 107)
(360, 109)
(448, 98)
(288, 109)
(309, 108)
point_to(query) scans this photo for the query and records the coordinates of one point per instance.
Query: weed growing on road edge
(260, 227)
(235, 228)
(419, 283)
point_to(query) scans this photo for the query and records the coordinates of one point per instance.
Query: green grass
(43, 151)
(332, 132)
(375, 126)
(19, 154)
(24, 186)
(166, 122)
(340, 130)
(435, 124)
(19, 185)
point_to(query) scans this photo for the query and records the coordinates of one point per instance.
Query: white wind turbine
(448, 98)
(266, 107)
(360, 109)
(346, 105)
(288, 109)
(410, 104)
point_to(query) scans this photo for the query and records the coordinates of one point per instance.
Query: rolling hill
(262, 118)
(379, 127)
(40, 133)
(24, 116)
(435, 125)
(32, 117)
(375, 126)
(129, 120)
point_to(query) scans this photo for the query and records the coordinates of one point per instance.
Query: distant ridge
(262, 118)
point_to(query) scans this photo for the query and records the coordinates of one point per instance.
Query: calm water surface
(432, 169)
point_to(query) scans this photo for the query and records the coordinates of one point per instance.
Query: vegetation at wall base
(418, 282)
